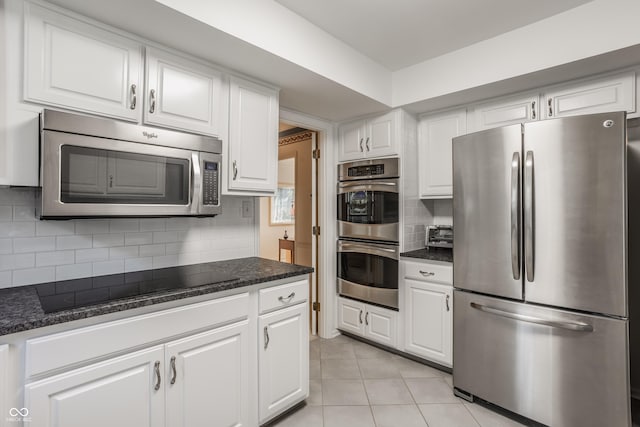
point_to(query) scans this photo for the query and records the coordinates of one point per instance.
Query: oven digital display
(368, 170)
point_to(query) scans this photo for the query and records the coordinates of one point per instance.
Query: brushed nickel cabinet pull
(447, 302)
(266, 337)
(366, 319)
(550, 104)
(367, 144)
(152, 101)
(533, 110)
(288, 299)
(361, 317)
(156, 368)
(235, 170)
(133, 97)
(174, 374)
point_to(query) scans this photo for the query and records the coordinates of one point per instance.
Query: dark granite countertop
(433, 254)
(21, 308)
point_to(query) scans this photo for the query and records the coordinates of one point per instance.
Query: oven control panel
(368, 170)
(210, 178)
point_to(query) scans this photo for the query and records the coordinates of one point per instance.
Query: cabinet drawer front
(283, 295)
(84, 344)
(428, 272)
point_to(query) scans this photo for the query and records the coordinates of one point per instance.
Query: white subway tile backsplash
(108, 240)
(6, 213)
(138, 238)
(152, 250)
(92, 226)
(34, 251)
(74, 242)
(122, 252)
(16, 261)
(5, 279)
(34, 244)
(6, 246)
(73, 271)
(165, 261)
(54, 228)
(92, 255)
(24, 213)
(165, 236)
(137, 264)
(44, 259)
(17, 229)
(108, 267)
(152, 224)
(33, 275)
(123, 225)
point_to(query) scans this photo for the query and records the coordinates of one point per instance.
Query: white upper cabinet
(69, 63)
(183, 94)
(435, 171)
(252, 153)
(614, 93)
(505, 112)
(374, 137)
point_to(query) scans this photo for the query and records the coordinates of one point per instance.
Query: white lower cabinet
(207, 378)
(369, 321)
(429, 321)
(283, 360)
(126, 391)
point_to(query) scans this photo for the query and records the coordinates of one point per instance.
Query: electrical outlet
(246, 209)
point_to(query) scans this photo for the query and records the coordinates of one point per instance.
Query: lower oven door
(368, 272)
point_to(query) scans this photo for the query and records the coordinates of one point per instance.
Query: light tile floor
(353, 384)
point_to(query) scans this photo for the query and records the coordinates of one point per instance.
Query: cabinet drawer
(428, 272)
(283, 295)
(63, 349)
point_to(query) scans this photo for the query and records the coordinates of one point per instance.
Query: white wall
(34, 251)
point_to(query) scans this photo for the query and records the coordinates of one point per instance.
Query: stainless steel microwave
(92, 167)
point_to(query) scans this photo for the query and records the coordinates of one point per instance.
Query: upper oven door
(86, 176)
(369, 209)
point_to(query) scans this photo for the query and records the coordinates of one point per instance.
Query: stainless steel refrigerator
(541, 321)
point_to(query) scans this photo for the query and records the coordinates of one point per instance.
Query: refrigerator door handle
(571, 326)
(515, 215)
(529, 244)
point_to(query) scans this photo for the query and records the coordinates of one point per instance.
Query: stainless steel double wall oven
(368, 231)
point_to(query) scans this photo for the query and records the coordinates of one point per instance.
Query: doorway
(288, 218)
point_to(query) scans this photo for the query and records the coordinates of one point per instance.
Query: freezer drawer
(568, 370)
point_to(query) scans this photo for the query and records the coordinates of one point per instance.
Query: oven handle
(196, 182)
(385, 186)
(367, 249)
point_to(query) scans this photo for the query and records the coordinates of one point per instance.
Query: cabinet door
(207, 378)
(380, 139)
(351, 141)
(429, 321)
(615, 93)
(182, 94)
(117, 392)
(253, 137)
(74, 65)
(351, 316)
(509, 112)
(380, 325)
(283, 359)
(435, 167)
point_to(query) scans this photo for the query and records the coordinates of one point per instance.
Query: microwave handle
(196, 183)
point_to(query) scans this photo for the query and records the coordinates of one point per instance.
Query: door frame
(325, 261)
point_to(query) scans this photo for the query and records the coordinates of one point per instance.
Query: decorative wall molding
(291, 139)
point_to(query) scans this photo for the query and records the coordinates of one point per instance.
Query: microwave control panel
(210, 183)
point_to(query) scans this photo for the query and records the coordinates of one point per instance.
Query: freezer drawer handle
(572, 326)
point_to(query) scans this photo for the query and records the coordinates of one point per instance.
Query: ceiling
(400, 33)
